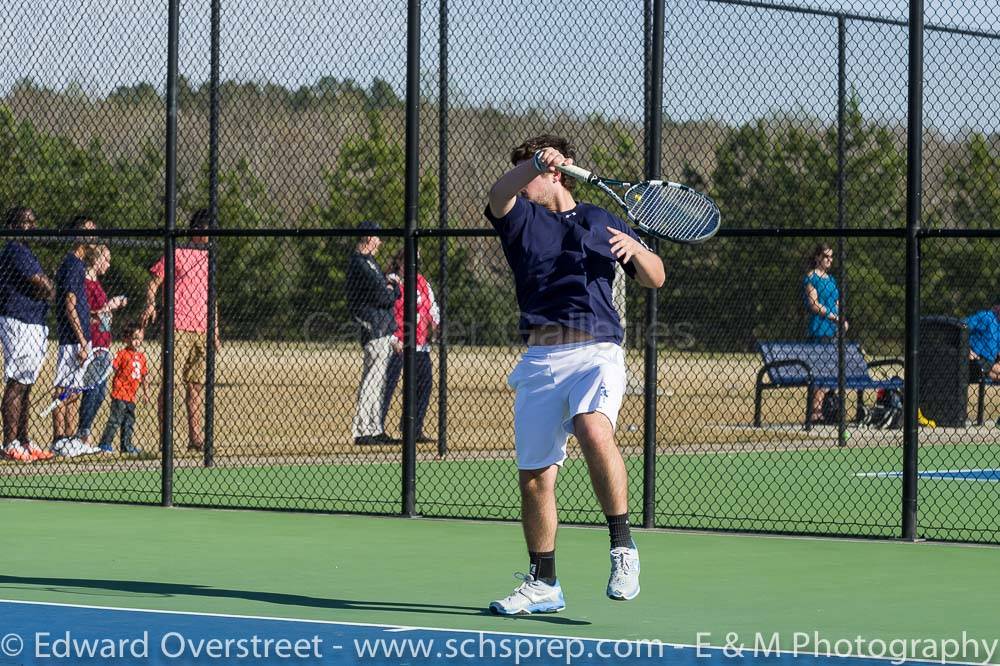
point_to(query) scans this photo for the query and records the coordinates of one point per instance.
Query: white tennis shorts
(554, 383)
(24, 348)
(69, 370)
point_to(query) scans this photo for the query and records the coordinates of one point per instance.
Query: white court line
(928, 471)
(400, 628)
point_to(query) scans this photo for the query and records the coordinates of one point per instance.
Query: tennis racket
(659, 208)
(91, 380)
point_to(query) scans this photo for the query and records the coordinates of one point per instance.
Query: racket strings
(673, 212)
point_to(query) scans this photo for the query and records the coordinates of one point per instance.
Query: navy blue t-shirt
(69, 280)
(17, 266)
(563, 267)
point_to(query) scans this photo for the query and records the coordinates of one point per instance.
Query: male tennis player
(572, 377)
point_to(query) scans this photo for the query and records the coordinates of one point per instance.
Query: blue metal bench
(813, 365)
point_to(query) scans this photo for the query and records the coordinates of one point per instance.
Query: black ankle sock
(620, 535)
(542, 566)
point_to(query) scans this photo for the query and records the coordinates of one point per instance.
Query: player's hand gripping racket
(91, 380)
(660, 208)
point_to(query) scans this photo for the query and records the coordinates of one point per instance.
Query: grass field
(298, 399)
(283, 441)
(823, 490)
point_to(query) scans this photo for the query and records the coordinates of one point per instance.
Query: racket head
(672, 211)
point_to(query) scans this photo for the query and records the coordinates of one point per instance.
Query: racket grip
(576, 172)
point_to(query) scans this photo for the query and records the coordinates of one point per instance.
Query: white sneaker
(623, 585)
(87, 449)
(70, 447)
(531, 596)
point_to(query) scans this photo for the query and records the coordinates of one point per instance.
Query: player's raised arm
(506, 189)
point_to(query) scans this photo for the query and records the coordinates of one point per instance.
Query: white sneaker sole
(496, 609)
(614, 597)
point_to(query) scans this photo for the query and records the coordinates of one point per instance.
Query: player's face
(136, 340)
(542, 189)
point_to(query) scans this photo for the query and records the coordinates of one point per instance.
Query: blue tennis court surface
(957, 474)
(36, 633)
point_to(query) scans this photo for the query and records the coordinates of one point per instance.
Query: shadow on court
(77, 586)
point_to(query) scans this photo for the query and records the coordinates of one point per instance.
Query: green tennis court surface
(849, 491)
(440, 575)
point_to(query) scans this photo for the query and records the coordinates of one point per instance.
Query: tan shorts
(189, 356)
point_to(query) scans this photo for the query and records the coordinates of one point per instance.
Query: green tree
(59, 180)
(959, 276)
(256, 277)
(782, 174)
(366, 183)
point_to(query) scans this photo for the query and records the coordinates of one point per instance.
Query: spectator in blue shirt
(73, 325)
(24, 295)
(822, 302)
(984, 344)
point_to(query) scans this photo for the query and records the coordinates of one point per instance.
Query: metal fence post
(914, 193)
(841, 263)
(654, 140)
(410, 253)
(213, 206)
(170, 223)
(443, 224)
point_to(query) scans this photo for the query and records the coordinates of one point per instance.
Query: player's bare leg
(539, 518)
(610, 481)
(604, 461)
(539, 591)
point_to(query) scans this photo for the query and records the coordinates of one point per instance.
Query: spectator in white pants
(370, 299)
(24, 295)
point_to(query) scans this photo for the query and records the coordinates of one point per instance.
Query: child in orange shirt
(130, 373)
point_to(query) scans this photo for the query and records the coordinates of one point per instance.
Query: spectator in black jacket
(370, 299)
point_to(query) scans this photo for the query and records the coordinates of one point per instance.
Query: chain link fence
(792, 116)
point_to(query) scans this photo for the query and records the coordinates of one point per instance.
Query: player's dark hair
(397, 264)
(15, 216)
(129, 329)
(200, 219)
(813, 261)
(527, 150)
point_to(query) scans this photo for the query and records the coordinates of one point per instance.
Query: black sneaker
(383, 438)
(364, 440)
(424, 439)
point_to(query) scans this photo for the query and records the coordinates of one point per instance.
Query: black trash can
(944, 370)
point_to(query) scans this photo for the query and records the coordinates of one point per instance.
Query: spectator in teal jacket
(984, 343)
